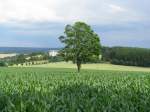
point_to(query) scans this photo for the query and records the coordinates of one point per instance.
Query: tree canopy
(81, 44)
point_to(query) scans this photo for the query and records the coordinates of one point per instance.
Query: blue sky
(39, 23)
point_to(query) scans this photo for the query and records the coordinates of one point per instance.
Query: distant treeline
(29, 59)
(24, 50)
(116, 55)
(127, 56)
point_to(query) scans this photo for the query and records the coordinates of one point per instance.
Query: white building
(53, 53)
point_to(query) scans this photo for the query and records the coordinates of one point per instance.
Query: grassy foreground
(98, 66)
(64, 90)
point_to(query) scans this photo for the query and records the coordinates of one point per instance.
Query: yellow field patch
(99, 66)
(7, 55)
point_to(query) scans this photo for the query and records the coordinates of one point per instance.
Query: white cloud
(26, 10)
(116, 9)
(93, 11)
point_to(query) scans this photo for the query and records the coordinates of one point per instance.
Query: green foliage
(28, 58)
(60, 90)
(56, 59)
(38, 56)
(82, 44)
(19, 59)
(127, 56)
(3, 64)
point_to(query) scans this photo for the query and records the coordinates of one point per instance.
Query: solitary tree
(81, 44)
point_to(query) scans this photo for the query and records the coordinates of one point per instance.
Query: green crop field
(64, 90)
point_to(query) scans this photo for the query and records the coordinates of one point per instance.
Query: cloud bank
(93, 11)
(118, 22)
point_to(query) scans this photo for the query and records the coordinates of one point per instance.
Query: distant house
(53, 53)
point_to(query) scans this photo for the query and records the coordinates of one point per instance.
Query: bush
(3, 64)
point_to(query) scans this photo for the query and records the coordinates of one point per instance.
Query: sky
(39, 23)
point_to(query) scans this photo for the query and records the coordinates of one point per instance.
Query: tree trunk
(78, 65)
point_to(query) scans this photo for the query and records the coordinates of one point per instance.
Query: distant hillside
(25, 50)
